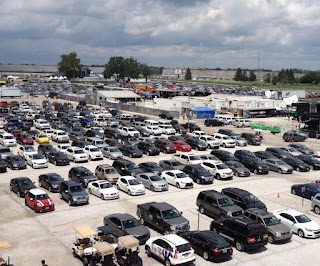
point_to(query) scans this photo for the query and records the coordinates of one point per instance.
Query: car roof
(37, 191)
(214, 193)
(237, 190)
(128, 177)
(174, 239)
(174, 171)
(105, 166)
(121, 216)
(80, 168)
(21, 178)
(260, 212)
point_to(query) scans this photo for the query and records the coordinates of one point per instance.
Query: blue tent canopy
(203, 112)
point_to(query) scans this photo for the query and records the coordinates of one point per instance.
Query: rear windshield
(183, 248)
(257, 230)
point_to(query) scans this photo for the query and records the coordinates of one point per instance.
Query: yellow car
(41, 138)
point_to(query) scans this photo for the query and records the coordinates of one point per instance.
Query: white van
(152, 123)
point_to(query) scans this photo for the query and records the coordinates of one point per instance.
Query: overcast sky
(172, 33)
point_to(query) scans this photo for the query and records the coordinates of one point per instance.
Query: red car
(181, 145)
(14, 103)
(39, 201)
(24, 138)
(16, 132)
(4, 103)
(165, 146)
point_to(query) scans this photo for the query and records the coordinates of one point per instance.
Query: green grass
(310, 99)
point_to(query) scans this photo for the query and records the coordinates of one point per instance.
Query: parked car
(278, 152)
(302, 148)
(197, 144)
(166, 115)
(158, 246)
(198, 173)
(126, 167)
(45, 149)
(77, 154)
(224, 155)
(252, 139)
(256, 166)
(58, 158)
(278, 165)
(191, 126)
(107, 172)
(315, 204)
(41, 138)
(291, 136)
(112, 153)
(5, 151)
(265, 155)
(212, 122)
(209, 245)
(297, 164)
(216, 204)
(153, 182)
(131, 151)
(227, 132)
(313, 162)
(93, 152)
(81, 175)
(277, 232)
(8, 140)
(181, 145)
(171, 165)
(39, 201)
(225, 140)
(21, 186)
(308, 190)
(3, 167)
(151, 167)
(291, 151)
(238, 168)
(245, 153)
(248, 235)
(37, 161)
(73, 193)
(103, 189)
(130, 185)
(50, 181)
(177, 178)
(239, 141)
(218, 169)
(148, 148)
(243, 198)
(165, 146)
(15, 162)
(24, 138)
(299, 223)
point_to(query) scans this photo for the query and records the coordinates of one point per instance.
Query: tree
(70, 65)
(188, 75)
(145, 70)
(252, 76)
(237, 76)
(115, 66)
(267, 78)
(274, 80)
(131, 68)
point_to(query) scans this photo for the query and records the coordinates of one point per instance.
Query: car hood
(177, 220)
(185, 180)
(160, 182)
(232, 208)
(56, 183)
(28, 187)
(19, 162)
(280, 228)
(40, 161)
(195, 162)
(311, 225)
(109, 190)
(137, 231)
(116, 153)
(79, 194)
(242, 169)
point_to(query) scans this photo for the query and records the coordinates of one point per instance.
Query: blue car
(14, 121)
(86, 122)
(308, 190)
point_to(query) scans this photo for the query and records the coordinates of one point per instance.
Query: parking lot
(49, 236)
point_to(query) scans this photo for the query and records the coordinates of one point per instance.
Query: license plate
(186, 254)
(47, 208)
(224, 250)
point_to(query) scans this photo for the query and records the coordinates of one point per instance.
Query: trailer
(10, 93)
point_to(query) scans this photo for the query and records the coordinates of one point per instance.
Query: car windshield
(194, 157)
(210, 139)
(224, 202)
(132, 148)
(25, 137)
(78, 151)
(155, 165)
(94, 150)
(181, 175)
(251, 199)
(101, 142)
(41, 197)
(281, 162)
(273, 220)
(16, 159)
(133, 182)
(222, 166)
(105, 185)
(110, 171)
(86, 173)
(60, 155)
(217, 240)
(183, 248)
(201, 170)
(155, 178)
(25, 183)
(131, 166)
(4, 150)
(130, 223)
(42, 136)
(226, 137)
(182, 143)
(38, 157)
(76, 189)
(149, 145)
(302, 218)
(113, 150)
(238, 165)
(8, 137)
(54, 178)
(176, 163)
(171, 214)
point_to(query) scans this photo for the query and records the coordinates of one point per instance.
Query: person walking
(43, 263)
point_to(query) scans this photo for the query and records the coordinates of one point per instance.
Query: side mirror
(31, 198)
(181, 213)
(66, 191)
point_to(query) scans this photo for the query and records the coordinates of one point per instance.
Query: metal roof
(118, 94)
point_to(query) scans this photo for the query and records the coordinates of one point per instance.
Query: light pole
(188, 130)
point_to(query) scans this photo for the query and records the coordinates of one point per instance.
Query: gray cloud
(205, 33)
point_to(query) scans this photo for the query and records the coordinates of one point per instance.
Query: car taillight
(251, 240)
(191, 246)
(216, 250)
(175, 253)
(265, 236)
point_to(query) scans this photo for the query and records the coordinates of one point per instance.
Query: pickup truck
(162, 216)
(187, 158)
(129, 131)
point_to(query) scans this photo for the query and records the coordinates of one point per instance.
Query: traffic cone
(278, 195)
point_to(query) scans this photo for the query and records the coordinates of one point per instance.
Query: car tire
(255, 171)
(89, 191)
(316, 209)
(40, 184)
(142, 221)
(60, 196)
(130, 155)
(10, 187)
(148, 153)
(236, 174)
(19, 194)
(198, 181)
(35, 209)
(69, 202)
(311, 167)
(148, 251)
(129, 192)
(218, 176)
(293, 191)
(166, 231)
(178, 185)
(201, 209)
(279, 171)
(152, 188)
(270, 239)
(298, 169)
(50, 189)
(25, 202)
(224, 145)
(117, 186)
(239, 246)
(205, 255)
(300, 233)
(85, 261)
(102, 196)
(222, 216)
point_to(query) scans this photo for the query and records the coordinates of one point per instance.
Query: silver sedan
(278, 165)
(153, 181)
(111, 153)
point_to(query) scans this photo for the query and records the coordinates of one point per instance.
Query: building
(116, 96)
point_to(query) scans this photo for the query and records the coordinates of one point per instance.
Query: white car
(177, 178)
(171, 249)
(210, 141)
(169, 130)
(76, 154)
(2, 122)
(48, 132)
(41, 124)
(155, 130)
(93, 152)
(130, 185)
(299, 223)
(103, 189)
(25, 108)
(63, 147)
(218, 169)
(198, 133)
(26, 150)
(225, 141)
(8, 140)
(60, 136)
(37, 161)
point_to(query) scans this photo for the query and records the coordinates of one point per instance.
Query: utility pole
(188, 113)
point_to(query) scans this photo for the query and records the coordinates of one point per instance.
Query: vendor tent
(203, 112)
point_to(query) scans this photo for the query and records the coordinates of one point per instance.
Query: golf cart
(127, 252)
(3, 245)
(107, 234)
(104, 255)
(83, 248)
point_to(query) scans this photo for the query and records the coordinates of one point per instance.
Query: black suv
(279, 153)
(227, 132)
(148, 148)
(197, 144)
(73, 193)
(255, 165)
(243, 198)
(192, 126)
(126, 167)
(252, 139)
(244, 233)
(82, 175)
(211, 122)
(113, 133)
(224, 155)
(198, 173)
(217, 204)
(45, 149)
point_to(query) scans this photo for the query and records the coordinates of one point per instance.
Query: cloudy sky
(172, 33)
